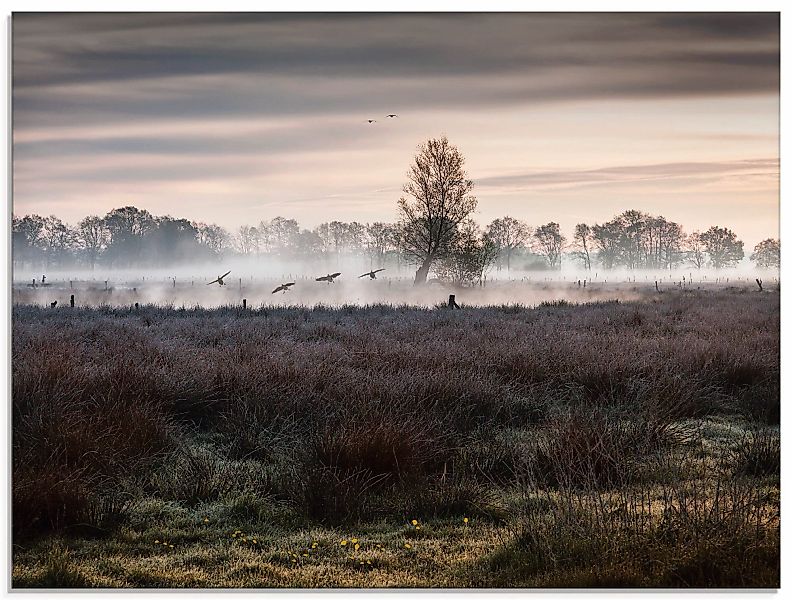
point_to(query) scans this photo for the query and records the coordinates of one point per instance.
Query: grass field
(612, 444)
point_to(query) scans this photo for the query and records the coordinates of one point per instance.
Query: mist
(254, 280)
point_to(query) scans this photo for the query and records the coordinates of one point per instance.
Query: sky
(234, 118)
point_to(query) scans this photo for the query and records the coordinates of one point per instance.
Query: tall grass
(384, 412)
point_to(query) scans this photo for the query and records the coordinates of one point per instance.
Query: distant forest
(131, 237)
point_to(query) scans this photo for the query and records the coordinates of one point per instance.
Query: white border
(406, 6)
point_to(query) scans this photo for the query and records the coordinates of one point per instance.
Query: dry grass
(289, 423)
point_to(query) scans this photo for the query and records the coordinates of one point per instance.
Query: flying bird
(328, 278)
(391, 116)
(219, 280)
(284, 287)
(371, 274)
(370, 121)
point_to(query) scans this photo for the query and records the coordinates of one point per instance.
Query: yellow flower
(357, 547)
(417, 526)
(343, 542)
(465, 520)
(294, 560)
(414, 522)
(170, 546)
(237, 531)
(407, 546)
(354, 540)
(156, 541)
(305, 554)
(206, 520)
(368, 562)
(379, 546)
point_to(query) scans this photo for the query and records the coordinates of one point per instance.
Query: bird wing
(289, 284)
(334, 275)
(364, 275)
(321, 279)
(215, 281)
(378, 270)
(277, 289)
(221, 276)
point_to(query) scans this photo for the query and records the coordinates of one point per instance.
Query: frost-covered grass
(578, 433)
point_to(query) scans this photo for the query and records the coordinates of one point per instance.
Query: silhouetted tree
(212, 237)
(723, 247)
(695, 250)
(27, 239)
(283, 234)
(470, 256)
(380, 237)
(767, 254)
(583, 241)
(508, 234)
(92, 236)
(171, 241)
(58, 240)
(126, 227)
(549, 242)
(438, 201)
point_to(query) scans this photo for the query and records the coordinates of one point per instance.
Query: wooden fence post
(71, 301)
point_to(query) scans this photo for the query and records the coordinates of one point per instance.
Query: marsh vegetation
(615, 443)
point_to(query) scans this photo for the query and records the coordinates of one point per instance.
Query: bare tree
(92, 235)
(694, 247)
(583, 240)
(439, 200)
(379, 238)
(58, 239)
(549, 242)
(508, 234)
(247, 239)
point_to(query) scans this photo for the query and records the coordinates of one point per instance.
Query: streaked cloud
(238, 115)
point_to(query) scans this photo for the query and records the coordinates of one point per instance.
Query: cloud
(627, 174)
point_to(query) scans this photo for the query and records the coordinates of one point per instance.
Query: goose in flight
(391, 116)
(284, 287)
(328, 278)
(371, 274)
(370, 121)
(219, 280)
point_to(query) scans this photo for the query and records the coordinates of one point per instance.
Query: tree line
(434, 231)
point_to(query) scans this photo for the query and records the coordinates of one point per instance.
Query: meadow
(602, 442)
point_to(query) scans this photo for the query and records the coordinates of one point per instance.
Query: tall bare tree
(438, 200)
(583, 240)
